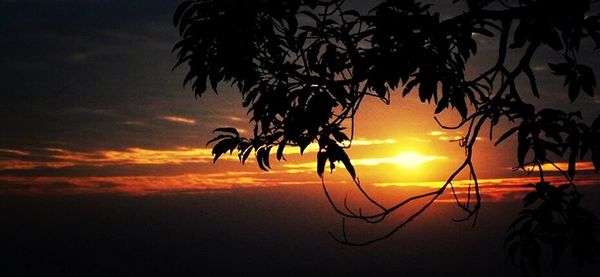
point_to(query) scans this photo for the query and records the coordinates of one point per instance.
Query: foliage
(557, 221)
(303, 68)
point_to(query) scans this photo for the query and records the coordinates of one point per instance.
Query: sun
(412, 159)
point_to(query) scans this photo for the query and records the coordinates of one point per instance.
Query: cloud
(405, 159)
(418, 139)
(563, 166)
(235, 119)
(367, 142)
(437, 133)
(60, 158)
(139, 184)
(446, 136)
(49, 187)
(13, 152)
(179, 119)
(495, 189)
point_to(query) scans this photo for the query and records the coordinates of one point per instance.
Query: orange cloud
(133, 156)
(15, 152)
(179, 119)
(563, 166)
(405, 159)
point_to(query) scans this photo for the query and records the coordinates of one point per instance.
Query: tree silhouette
(304, 67)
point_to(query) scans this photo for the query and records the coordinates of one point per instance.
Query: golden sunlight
(411, 159)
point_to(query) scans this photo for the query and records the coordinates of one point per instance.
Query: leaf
(214, 78)
(574, 88)
(280, 150)
(311, 15)
(265, 156)
(218, 138)
(346, 161)
(303, 142)
(460, 105)
(530, 198)
(180, 10)
(246, 154)
(532, 81)
(483, 31)
(573, 159)
(506, 135)
(221, 147)
(442, 105)
(227, 130)
(560, 68)
(521, 35)
(339, 136)
(311, 3)
(587, 78)
(321, 159)
(558, 248)
(511, 236)
(512, 249)
(523, 144)
(409, 86)
(262, 158)
(351, 13)
(596, 159)
(552, 38)
(427, 89)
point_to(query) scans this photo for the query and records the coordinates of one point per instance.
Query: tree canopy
(303, 68)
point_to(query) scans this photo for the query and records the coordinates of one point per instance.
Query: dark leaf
(321, 159)
(532, 82)
(265, 156)
(409, 86)
(558, 248)
(223, 146)
(346, 161)
(339, 136)
(183, 6)
(280, 150)
(442, 105)
(596, 159)
(246, 154)
(262, 158)
(574, 89)
(573, 160)
(523, 144)
(559, 69)
(227, 130)
(218, 138)
(530, 198)
(507, 135)
(311, 15)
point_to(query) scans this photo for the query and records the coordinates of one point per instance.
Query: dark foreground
(259, 231)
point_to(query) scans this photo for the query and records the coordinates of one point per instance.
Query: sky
(104, 167)
(90, 103)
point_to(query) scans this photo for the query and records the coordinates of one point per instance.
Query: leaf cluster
(303, 68)
(553, 217)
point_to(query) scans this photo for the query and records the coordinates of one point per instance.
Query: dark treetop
(303, 68)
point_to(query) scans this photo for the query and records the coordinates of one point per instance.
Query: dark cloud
(77, 74)
(116, 170)
(49, 187)
(109, 185)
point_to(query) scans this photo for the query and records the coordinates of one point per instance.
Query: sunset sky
(105, 171)
(90, 104)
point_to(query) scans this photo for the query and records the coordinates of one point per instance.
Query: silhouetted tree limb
(304, 67)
